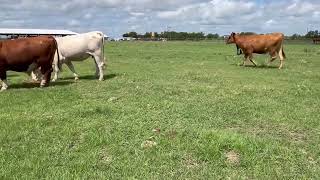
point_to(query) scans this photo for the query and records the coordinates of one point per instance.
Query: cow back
(18, 54)
(79, 47)
(261, 43)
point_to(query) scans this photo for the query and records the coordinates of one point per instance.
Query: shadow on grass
(108, 76)
(263, 66)
(12, 75)
(28, 85)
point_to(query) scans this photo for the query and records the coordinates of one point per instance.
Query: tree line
(173, 35)
(196, 36)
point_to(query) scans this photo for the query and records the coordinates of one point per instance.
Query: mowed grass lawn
(167, 110)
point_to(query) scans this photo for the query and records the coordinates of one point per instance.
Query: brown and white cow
(27, 54)
(260, 44)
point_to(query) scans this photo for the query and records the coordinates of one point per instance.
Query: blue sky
(115, 17)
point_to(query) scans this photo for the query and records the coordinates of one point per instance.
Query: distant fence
(221, 40)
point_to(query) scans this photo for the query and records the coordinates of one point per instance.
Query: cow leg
(32, 71)
(56, 73)
(4, 85)
(281, 64)
(250, 58)
(46, 71)
(244, 60)
(97, 70)
(36, 75)
(281, 58)
(100, 65)
(71, 67)
(271, 60)
(3, 77)
(273, 55)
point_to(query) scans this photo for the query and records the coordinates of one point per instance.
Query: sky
(115, 17)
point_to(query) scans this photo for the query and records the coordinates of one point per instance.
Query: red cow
(260, 44)
(27, 54)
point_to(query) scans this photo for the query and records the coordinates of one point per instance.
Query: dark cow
(260, 44)
(27, 54)
(316, 40)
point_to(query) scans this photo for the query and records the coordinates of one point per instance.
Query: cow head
(231, 39)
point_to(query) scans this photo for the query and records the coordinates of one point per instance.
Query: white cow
(78, 48)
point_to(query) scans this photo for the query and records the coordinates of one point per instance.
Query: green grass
(203, 103)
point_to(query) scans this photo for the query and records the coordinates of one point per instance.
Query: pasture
(167, 110)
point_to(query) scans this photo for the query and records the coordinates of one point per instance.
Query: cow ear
(233, 34)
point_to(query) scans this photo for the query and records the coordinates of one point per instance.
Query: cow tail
(283, 54)
(58, 55)
(57, 51)
(282, 51)
(103, 60)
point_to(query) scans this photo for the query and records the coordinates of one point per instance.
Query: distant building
(129, 38)
(7, 33)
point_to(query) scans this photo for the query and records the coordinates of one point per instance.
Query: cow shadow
(262, 66)
(91, 77)
(12, 75)
(29, 85)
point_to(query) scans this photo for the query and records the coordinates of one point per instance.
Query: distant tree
(247, 33)
(295, 36)
(130, 34)
(147, 35)
(313, 34)
(133, 34)
(173, 35)
(125, 35)
(212, 36)
(156, 35)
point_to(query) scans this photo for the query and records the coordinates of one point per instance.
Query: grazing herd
(39, 56)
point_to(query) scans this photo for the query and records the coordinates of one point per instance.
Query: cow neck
(237, 40)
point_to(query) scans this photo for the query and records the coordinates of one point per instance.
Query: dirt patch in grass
(232, 158)
(104, 156)
(172, 134)
(190, 162)
(279, 131)
(148, 144)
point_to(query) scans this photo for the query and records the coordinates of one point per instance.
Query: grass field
(167, 110)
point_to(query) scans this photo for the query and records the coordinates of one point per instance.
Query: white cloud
(115, 17)
(74, 22)
(213, 12)
(88, 16)
(137, 13)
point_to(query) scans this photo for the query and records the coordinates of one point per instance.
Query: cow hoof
(42, 86)
(101, 79)
(76, 78)
(35, 80)
(53, 80)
